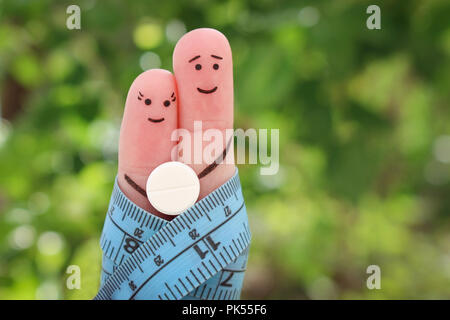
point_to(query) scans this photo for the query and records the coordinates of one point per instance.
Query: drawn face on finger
(153, 98)
(197, 61)
(148, 102)
(150, 116)
(204, 70)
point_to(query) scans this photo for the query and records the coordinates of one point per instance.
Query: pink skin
(145, 144)
(214, 109)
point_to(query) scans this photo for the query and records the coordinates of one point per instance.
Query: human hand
(158, 103)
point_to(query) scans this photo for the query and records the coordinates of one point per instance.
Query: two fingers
(196, 99)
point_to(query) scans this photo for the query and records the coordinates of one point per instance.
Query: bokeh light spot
(148, 36)
(50, 243)
(5, 129)
(149, 60)
(175, 30)
(308, 16)
(22, 237)
(442, 149)
(48, 290)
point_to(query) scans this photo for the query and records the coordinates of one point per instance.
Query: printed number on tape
(201, 254)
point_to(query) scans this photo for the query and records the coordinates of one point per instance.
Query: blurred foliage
(364, 120)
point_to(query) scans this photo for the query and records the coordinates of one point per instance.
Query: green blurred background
(364, 123)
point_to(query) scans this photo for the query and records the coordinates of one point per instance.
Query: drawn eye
(148, 101)
(166, 103)
(198, 66)
(215, 66)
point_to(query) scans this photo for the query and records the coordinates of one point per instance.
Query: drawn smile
(207, 91)
(156, 120)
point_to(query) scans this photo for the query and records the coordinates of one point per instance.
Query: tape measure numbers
(201, 254)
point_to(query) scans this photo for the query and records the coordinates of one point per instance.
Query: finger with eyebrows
(149, 119)
(203, 69)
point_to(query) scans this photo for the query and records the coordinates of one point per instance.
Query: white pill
(173, 187)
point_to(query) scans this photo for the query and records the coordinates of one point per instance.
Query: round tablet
(173, 187)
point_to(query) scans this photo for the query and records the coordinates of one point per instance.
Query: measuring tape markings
(139, 240)
(197, 269)
(235, 271)
(134, 264)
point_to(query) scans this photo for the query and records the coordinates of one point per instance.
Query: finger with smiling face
(203, 69)
(149, 119)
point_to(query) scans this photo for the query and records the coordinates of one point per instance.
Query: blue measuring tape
(201, 254)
